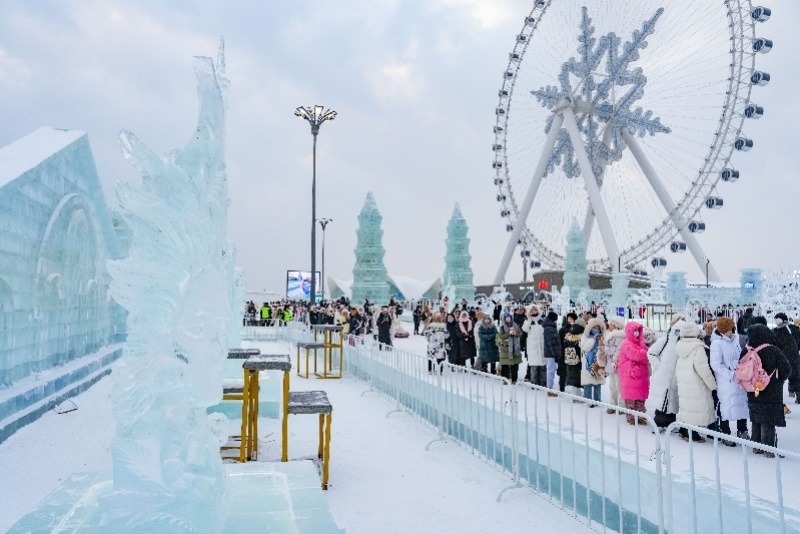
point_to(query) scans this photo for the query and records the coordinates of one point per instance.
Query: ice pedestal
(260, 497)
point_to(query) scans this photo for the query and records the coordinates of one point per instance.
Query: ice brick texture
(56, 234)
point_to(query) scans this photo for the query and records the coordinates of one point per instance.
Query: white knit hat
(690, 329)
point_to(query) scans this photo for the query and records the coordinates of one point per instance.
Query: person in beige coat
(695, 382)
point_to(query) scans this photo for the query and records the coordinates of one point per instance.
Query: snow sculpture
(457, 270)
(576, 274)
(369, 273)
(168, 475)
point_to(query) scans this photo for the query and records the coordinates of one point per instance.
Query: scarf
(467, 330)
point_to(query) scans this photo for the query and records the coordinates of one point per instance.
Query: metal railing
(591, 463)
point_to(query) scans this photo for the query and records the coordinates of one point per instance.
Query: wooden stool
(308, 346)
(314, 402)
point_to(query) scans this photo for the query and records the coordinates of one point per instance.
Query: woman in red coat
(634, 370)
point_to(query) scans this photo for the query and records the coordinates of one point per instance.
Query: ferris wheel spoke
(666, 200)
(530, 195)
(590, 181)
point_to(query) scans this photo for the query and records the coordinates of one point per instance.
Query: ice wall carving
(168, 475)
(55, 237)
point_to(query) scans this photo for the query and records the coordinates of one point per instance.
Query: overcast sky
(415, 84)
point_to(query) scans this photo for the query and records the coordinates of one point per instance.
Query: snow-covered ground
(382, 479)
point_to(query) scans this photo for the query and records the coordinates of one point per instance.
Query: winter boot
(742, 434)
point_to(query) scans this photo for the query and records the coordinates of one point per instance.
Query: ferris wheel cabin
(714, 203)
(729, 175)
(743, 144)
(759, 78)
(697, 227)
(761, 14)
(752, 111)
(678, 246)
(658, 262)
(762, 46)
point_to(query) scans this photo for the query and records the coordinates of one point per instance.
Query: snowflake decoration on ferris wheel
(603, 106)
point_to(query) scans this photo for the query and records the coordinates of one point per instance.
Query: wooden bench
(313, 402)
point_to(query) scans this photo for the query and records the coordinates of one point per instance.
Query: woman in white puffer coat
(615, 335)
(732, 398)
(664, 383)
(695, 381)
(534, 349)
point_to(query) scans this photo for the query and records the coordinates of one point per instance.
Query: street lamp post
(707, 262)
(324, 224)
(315, 117)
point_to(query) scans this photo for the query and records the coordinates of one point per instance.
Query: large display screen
(298, 285)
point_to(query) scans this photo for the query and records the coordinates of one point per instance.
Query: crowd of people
(688, 374)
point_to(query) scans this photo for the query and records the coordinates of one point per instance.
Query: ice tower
(369, 273)
(457, 271)
(576, 274)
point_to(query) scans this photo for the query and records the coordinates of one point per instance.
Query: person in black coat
(766, 409)
(498, 310)
(466, 340)
(451, 344)
(788, 345)
(520, 316)
(417, 318)
(384, 324)
(552, 346)
(570, 375)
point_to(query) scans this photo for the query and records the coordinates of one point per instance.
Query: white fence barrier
(591, 463)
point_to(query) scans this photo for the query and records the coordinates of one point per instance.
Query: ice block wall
(56, 234)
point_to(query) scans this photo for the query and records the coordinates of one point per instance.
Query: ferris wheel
(624, 115)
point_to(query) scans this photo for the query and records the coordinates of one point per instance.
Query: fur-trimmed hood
(597, 322)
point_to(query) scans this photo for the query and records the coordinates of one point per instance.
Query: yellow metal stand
(332, 339)
(308, 347)
(285, 421)
(249, 428)
(325, 453)
(312, 402)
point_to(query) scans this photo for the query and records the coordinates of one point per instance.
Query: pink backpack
(749, 374)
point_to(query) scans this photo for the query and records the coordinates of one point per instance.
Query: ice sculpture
(750, 282)
(676, 290)
(55, 238)
(168, 475)
(369, 273)
(457, 270)
(779, 291)
(576, 274)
